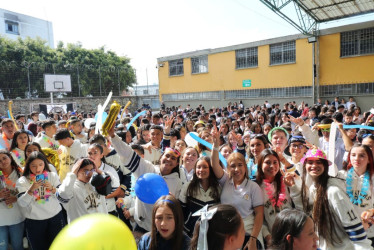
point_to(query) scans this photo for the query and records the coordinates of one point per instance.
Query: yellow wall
(222, 74)
(337, 70)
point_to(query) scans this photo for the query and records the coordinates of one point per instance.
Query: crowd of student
(269, 180)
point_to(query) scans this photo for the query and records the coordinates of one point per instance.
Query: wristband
(216, 148)
(253, 237)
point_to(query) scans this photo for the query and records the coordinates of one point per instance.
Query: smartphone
(40, 177)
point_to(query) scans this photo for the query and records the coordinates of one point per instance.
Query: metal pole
(146, 72)
(317, 70)
(53, 67)
(119, 85)
(28, 80)
(79, 85)
(314, 75)
(100, 78)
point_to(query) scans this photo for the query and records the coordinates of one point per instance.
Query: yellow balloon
(95, 231)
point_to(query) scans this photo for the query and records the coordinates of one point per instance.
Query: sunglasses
(295, 146)
(87, 172)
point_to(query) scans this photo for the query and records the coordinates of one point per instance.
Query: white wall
(27, 27)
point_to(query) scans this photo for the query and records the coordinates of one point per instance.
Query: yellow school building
(337, 62)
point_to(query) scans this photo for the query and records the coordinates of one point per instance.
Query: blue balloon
(134, 119)
(357, 126)
(150, 187)
(210, 146)
(103, 118)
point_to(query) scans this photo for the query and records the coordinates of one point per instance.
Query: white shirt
(11, 215)
(38, 206)
(244, 197)
(80, 198)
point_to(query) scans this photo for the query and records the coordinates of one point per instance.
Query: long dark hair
(177, 236)
(33, 156)
(261, 176)
(324, 218)
(260, 137)
(194, 185)
(14, 141)
(287, 222)
(224, 223)
(13, 163)
(101, 149)
(370, 166)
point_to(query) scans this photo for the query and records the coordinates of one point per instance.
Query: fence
(26, 79)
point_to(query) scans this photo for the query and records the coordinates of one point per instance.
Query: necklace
(5, 178)
(19, 157)
(357, 199)
(46, 139)
(41, 197)
(270, 190)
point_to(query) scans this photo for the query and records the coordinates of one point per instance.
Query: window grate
(176, 67)
(270, 92)
(199, 64)
(246, 58)
(210, 95)
(348, 89)
(281, 53)
(357, 42)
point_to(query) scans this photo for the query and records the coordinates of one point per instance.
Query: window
(11, 27)
(145, 92)
(199, 64)
(357, 42)
(210, 95)
(176, 67)
(348, 89)
(281, 53)
(246, 58)
(270, 92)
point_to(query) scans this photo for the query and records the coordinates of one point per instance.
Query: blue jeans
(15, 233)
(41, 233)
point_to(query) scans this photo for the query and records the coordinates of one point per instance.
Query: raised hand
(299, 121)
(216, 136)
(168, 122)
(77, 166)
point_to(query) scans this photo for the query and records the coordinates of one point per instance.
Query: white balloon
(88, 121)
(42, 117)
(190, 141)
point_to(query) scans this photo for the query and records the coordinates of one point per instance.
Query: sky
(146, 30)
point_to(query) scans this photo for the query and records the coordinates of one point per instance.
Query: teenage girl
(96, 154)
(293, 230)
(257, 144)
(12, 220)
(189, 159)
(337, 222)
(202, 190)
(238, 190)
(167, 227)
(225, 231)
(359, 181)
(17, 148)
(206, 136)
(77, 194)
(37, 189)
(276, 196)
(34, 146)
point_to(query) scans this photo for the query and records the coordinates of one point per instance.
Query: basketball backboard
(57, 83)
